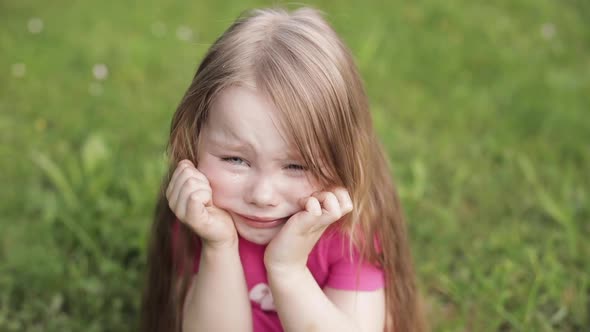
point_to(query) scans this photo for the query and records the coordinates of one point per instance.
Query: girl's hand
(190, 198)
(288, 251)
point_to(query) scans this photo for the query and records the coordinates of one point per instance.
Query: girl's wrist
(283, 266)
(220, 246)
(285, 273)
(219, 250)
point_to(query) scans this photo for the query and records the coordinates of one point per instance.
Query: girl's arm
(299, 300)
(303, 306)
(217, 299)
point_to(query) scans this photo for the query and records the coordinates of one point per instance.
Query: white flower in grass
(184, 33)
(35, 25)
(18, 69)
(100, 71)
(548, 31)
(158, 29)
(95, 89)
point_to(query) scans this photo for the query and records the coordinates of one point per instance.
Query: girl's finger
(192, 185)
(303, 201)
(202, 196)
(312, 205)
(182, 180)
(315, 220)
(179, 168)
(196, 213)
(200, 176)
(343, 199)
(175, 186)
(330, 206)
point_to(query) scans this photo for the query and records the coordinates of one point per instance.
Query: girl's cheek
(300, 189)
(226, 187)
(217, 172)
(226, 181)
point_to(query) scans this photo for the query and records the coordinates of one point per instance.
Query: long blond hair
(298, 61)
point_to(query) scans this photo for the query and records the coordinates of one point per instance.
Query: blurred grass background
(483, 107)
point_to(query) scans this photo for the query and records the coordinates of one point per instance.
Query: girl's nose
(261, 192)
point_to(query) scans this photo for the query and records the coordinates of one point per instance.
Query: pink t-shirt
(331, 262)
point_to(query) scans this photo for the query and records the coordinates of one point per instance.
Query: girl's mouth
(257, 222)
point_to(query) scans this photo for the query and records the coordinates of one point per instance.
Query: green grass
(482, 106)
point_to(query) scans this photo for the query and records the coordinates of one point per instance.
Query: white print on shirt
(261, 294)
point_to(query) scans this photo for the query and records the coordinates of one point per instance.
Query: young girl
(278, 211)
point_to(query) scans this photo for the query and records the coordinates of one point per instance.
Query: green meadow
(483, 107)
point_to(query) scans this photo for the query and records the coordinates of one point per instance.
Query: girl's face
(254, 174)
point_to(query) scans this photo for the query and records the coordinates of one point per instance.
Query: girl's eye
(296, 167)
(234, 160)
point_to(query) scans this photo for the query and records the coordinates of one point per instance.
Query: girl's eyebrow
(289, 155)
(230, 141)
(231, 144)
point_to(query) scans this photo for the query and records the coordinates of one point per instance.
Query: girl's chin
(261, 236)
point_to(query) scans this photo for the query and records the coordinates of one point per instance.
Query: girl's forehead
(239, 105)
(240, 117)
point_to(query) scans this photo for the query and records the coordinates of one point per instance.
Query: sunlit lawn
(483, 108)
